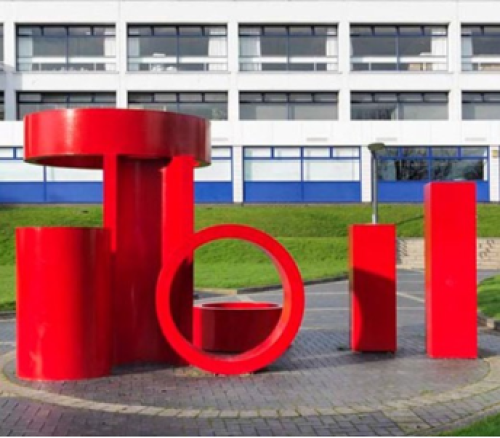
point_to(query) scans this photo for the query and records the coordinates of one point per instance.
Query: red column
(133, 214)
(372, 284)
(63, 303)
(450, 270)
(178, 227)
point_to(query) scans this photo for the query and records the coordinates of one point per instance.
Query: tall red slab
(450, 270)
(63, 303)
(133, 214)
(177, 228)
(372, 285)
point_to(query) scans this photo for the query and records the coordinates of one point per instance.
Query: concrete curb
(271, 287)
(7, 314)
(488, 322)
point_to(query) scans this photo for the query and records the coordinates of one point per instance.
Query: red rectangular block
(372, 285)
(450, 270)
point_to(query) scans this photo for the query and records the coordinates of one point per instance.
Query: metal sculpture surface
(148, 158)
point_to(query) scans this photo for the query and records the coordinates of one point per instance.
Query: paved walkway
(318, 388)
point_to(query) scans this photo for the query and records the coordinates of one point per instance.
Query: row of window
(275, 105)
(320, 164)
(436, 163)
(290, 164)
(343, 164)
(170, 48)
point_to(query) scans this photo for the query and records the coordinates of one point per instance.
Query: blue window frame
(21, 182)
(403, 171)
(66, 48)
(399, 48)
(302, 174)
(288, 48)
(28, 102)
(480, 48)
(214, 183)
(166, 48)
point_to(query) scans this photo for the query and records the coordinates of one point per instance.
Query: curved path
(318, 388)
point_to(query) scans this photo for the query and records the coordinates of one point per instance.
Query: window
(399, 106)
(177, 48)
(288, 48)
(288, 106)
(480, 106)
(221, 169)
(31, 102)
(480, 48)
(209, 105)
(433, 164)
(2, 107)
(399, 48)
(66, 48)
(1, 47)
(307, 164)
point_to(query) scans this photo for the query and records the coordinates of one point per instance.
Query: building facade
(296, 90)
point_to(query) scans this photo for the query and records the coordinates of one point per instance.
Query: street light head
(375, 147)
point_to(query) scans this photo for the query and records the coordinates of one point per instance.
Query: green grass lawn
(7, 287)
(489, 297)
(490, 426)
(315, 235)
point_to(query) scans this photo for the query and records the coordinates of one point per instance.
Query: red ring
(278, 340)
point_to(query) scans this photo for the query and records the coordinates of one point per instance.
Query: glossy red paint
(133, 214)
(282, 335)
(233, 327)
(63, 303)
(148, 159)
(178, 226)
(372, 271)
(83, 137)
(451, 270)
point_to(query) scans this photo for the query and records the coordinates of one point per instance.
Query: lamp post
(374, 148)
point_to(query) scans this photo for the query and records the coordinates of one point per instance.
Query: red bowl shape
(233, 327)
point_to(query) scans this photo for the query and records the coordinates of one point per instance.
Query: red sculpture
(372, 268)
(214, 323)
(450, 270)
(148, 159)
(91, 298)
(288, 324)
(63, 303)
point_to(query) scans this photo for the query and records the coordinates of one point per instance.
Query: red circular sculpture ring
(85, 137)
(279, 339)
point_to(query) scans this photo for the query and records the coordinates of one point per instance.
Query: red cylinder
(63, 303)
(233, 327)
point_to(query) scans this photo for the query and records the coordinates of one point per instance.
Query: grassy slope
(315, 235)
(490, 426)
(489, 297)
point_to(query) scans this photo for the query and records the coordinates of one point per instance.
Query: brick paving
(317, 388)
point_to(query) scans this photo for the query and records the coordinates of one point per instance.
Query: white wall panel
(275, 170)
(219, 170)
(60, 174)
(20, 171)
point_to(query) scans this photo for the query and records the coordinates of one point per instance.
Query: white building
(295, 89)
